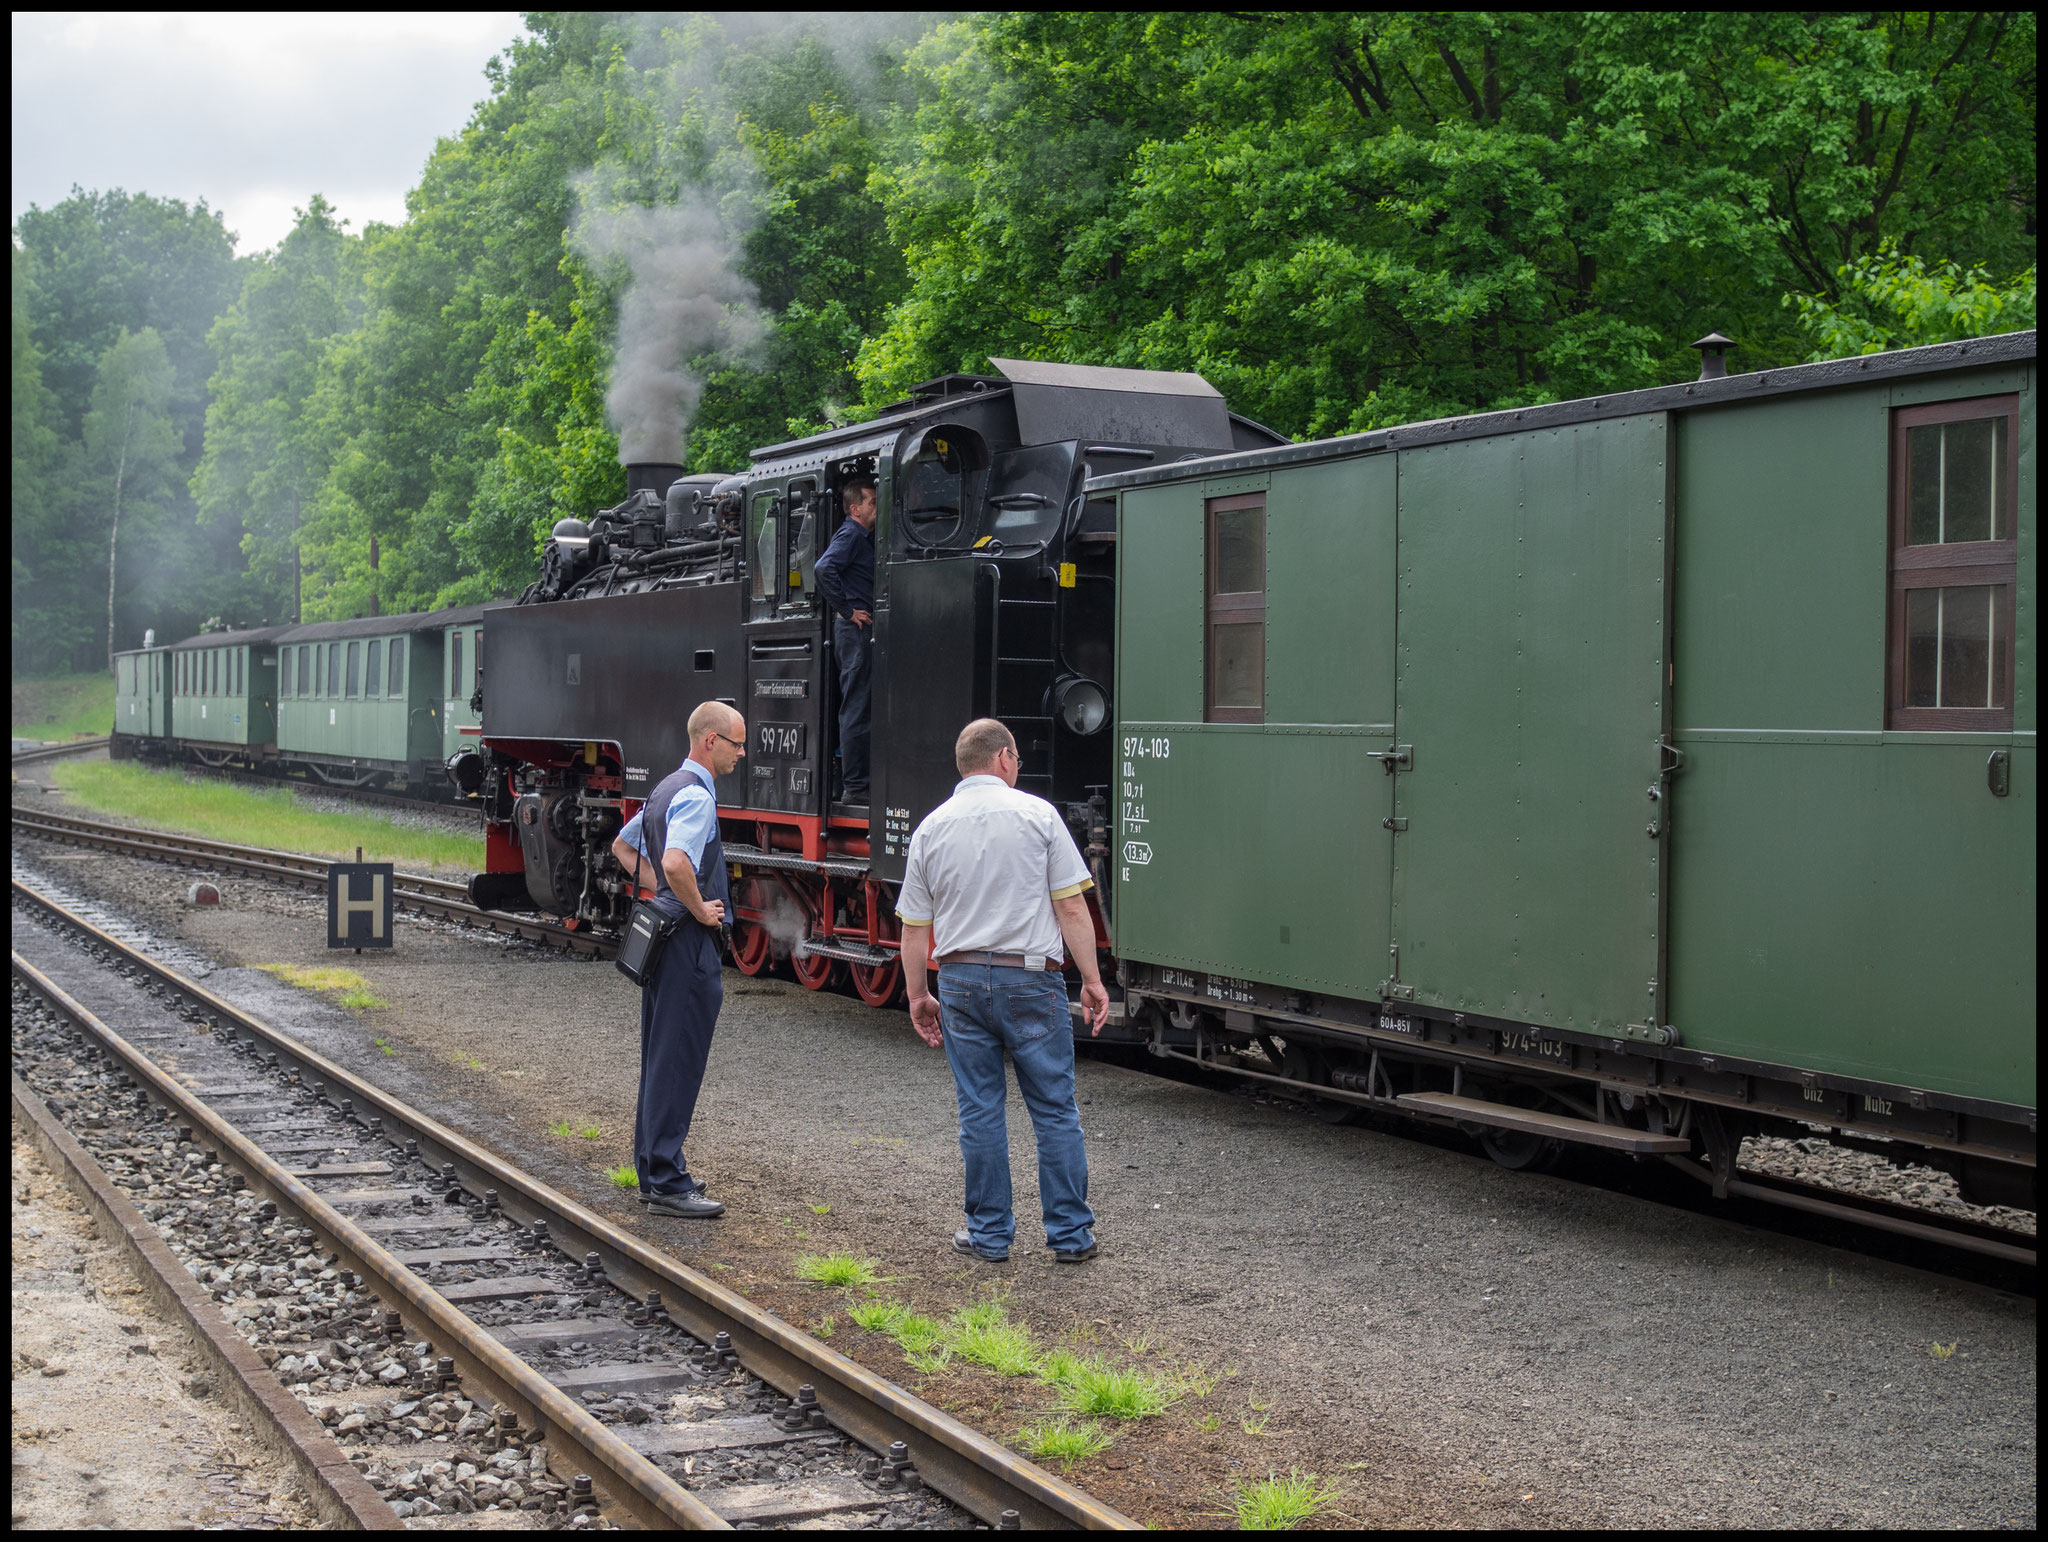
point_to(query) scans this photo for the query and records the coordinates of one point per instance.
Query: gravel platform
(1445, 1342)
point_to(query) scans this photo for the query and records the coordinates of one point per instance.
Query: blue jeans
(986, 1010)
(855, 648)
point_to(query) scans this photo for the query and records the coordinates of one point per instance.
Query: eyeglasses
(738, 744)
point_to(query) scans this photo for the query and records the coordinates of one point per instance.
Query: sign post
(359, 904)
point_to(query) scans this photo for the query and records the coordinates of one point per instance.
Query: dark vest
(654, 826)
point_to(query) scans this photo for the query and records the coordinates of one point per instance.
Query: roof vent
(1714, 355)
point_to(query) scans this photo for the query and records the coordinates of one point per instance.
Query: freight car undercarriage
(1523, 1091)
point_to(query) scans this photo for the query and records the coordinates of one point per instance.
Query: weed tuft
(623, 1177)
(1279, 1504)
(920, 1335)
(878, 1316)
(383, 1044)
(840, 1269)
(826, 1327)
(1058, 1367)
(984, 1335)
(930, 1363)
(1061, 1440)
(1942, 1351)
(821, 1210)
(1210, 1423)
(1101, 1390)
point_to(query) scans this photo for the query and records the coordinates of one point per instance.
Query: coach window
(334, 669)
(396, 684)
(476, 659)
(1236, 685)
(454, 663)
(373, 667)
(1955, 559)
(354, 662)
(235, 685)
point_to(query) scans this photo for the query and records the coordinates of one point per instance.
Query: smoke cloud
(685, 306)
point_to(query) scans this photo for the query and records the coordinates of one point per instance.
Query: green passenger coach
(224, 695)
(1643, 771)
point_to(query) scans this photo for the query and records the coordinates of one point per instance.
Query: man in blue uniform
(846, 577)
(673, 844)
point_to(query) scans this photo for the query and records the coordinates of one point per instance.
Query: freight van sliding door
(1531, 695)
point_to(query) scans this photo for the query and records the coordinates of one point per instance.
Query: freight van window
(397, 681)
(373, 667)
(1954, 567)
(1235, 667)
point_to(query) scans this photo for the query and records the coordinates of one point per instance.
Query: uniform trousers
(855, 647)
(678, 1011)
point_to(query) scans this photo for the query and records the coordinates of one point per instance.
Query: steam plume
(684, 301)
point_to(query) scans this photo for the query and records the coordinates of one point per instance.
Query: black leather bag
(647, 933)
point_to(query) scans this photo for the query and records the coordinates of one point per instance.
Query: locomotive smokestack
(652, 475)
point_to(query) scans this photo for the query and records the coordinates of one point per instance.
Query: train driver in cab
(846, 577)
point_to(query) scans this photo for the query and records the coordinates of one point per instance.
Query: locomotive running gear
(846, 573)
(984, 869)
(854, 646)
(679, 1010)
(985, 1011)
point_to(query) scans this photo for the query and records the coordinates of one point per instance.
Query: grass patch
(1063, 1441)
(984, 1335)
(623, 1177)
(568, 1127)
(879, 1316)
(930, 1364)
(384, 1045)
(821, 1210)
(1279, 1504)
(826, 1327)
(1058, 1367)
(1102, 1391)
(64, 706)
(348, 988)
(840, 1269)
(258, 816)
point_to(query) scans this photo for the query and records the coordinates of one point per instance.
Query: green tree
(131, 438)
(48, 633)
(267, 451)
(1891, 300)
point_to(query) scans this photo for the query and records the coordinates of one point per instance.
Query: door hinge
(1400, 758)
(1394, 822)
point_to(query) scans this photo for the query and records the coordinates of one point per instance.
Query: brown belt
(996, 960)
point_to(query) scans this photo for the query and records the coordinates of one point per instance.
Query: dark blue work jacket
(846, 573)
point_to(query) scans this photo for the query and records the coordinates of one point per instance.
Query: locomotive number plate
(779, 741)
(1396, 1025)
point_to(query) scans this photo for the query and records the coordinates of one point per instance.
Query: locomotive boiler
(995, 597)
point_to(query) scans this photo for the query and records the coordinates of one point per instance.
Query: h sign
(359, 905)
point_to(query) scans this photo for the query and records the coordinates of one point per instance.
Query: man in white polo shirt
(995, 878)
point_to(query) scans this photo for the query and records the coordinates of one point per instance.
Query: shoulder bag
(647, 933)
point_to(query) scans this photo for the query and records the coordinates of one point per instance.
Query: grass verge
(348, 988)
(63, 706)
(1279, 1504)
(258, 816)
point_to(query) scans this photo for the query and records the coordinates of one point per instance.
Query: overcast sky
(253, 113)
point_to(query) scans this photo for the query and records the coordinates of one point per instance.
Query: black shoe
(962, 1243)
(691, 1204)
(1074, 1255)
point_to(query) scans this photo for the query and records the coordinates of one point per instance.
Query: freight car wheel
(813, 971)
(751, 949)
(1522, 1152)
(878, 984)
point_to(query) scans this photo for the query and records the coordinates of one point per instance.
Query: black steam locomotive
(995, 580)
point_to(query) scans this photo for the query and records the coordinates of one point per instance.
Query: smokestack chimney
(1713, 355)
(652, 475)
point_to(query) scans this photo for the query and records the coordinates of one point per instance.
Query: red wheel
(878, 984)
(813, 970)
(750, 948)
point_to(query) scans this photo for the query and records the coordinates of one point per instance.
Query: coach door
(1531, 705)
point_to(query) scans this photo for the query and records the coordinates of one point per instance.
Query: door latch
(1394, 822)
(1998, 773)
(1400, 758)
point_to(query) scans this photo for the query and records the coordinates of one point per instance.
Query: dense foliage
(1342, 219)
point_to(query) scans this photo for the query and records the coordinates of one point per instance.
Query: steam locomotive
(995, 597)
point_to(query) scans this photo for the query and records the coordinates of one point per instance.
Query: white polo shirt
(985, 867)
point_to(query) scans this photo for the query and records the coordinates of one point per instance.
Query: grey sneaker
(962, 1243)
(693, 1205)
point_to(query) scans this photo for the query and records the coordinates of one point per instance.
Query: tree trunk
(114, 536)
(298, 565)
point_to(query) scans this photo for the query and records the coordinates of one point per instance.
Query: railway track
(437, 897)
(446, 900)
(44, 752)
(464, 1310)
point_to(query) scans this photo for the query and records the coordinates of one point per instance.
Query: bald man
(672, 844)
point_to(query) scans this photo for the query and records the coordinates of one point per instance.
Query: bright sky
(253, 113)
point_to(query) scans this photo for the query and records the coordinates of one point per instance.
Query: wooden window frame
(1971, 564)
(394, 665)
(1230, 609)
